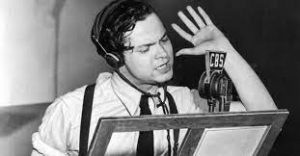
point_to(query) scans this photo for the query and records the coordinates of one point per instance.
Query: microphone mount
(214, 85)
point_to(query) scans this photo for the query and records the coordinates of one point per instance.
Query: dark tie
(145, 141)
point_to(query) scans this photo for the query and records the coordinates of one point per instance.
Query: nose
(161, 51)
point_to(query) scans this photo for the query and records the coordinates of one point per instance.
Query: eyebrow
(152, 43)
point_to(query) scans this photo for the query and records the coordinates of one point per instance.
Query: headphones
(114, 59)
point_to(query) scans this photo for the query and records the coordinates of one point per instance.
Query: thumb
(191, 51)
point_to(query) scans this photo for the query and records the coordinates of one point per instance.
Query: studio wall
(45, 49)
(78, 61)
(27, 54)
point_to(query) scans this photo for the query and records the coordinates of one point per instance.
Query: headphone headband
(101, 17)
(112, 58)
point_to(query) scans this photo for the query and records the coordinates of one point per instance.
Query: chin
(165, 77)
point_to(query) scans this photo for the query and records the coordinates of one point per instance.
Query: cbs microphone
(214, 85)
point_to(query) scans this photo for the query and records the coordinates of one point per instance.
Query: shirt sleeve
(52, 135)
(187, 102)
(235, 106)
(198, 101)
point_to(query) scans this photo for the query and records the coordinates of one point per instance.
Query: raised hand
(205, 36)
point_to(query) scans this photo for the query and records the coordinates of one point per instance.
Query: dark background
(267, 34)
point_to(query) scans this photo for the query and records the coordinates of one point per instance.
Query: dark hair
(117, 18)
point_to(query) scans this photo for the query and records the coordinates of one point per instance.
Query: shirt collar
(129, 96)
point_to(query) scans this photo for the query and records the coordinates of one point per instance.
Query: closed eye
(143, 49)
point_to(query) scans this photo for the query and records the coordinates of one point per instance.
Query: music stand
(203, 129)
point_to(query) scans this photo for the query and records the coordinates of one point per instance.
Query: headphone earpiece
(112, 58)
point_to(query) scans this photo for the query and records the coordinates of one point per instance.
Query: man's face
(151, 60)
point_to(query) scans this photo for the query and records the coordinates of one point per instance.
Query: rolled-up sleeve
(51, 137)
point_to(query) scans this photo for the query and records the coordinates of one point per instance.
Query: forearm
(251, 90)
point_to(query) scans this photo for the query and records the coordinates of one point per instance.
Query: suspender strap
(86, 119)
(173, 110)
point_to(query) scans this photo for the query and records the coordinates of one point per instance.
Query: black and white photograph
(149, 77)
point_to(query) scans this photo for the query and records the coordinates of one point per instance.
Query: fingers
(205, 16)
(199, 30)
(196, 17)
(182, 33)
(187, 22)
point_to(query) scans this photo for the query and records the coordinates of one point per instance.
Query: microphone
(214, 85)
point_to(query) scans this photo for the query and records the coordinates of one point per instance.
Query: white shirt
(59, 132)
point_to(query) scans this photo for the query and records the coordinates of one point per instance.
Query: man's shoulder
(188, 99)
(73, 100)
(68, 107)
(180, 93)
(75, 97)
(175, 90)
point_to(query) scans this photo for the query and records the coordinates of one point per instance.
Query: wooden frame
(195, 123)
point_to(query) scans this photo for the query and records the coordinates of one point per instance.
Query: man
(132, 38)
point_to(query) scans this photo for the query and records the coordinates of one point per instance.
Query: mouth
(163, 67)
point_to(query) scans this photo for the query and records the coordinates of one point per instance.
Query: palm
(207, 35)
